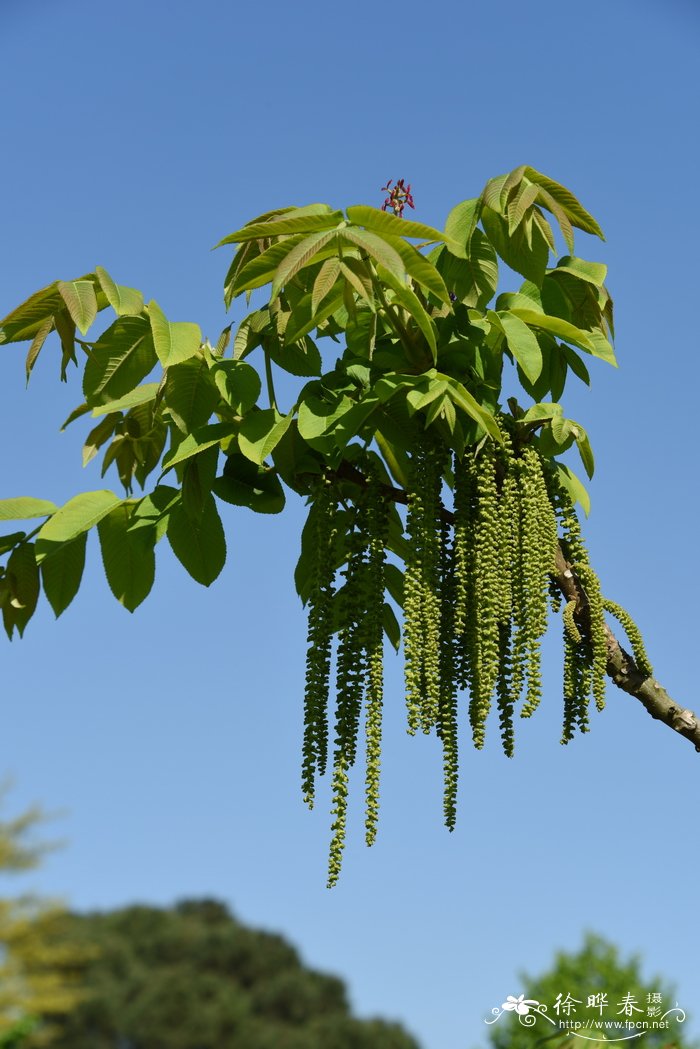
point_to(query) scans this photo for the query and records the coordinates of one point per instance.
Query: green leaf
(585, 451)
(126, 302)
(574, 487)
(293, 458)
(23, 574)
(199, 544)
(62, 573)
(410, 302)
(65, 326)
(302, 321)
(174, 341)
(524, 198)
(37, 343)
(128, 556)
(462, 398)
(376, 247)
(384, 223)
(238, 384)
(28, 318)
(8, 541)
(122, 356)
(546, 200)
(576, 364)
(460, 225)
(420, 268)
(153, 511)
(245, 484)
(522, 344)
(141, 395)
(542, 411)
(260, 432)
(391, 626)
(565, 198)
(317, 414)
(358, 273)
(593, 272)
(77, 413)
(496, 190)
(284, 226)
(325, 279)
(300, 255)
(474, 279)
(602, 347)
(526, 255)
(298, 358)
(99, 435)
(79, 297)
(24, 508)
(190, 394)
(202, 438)
(556, 326)
(261, 269)
(78, 515)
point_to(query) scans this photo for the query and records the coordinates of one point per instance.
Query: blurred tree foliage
(597, 982)
(40, 965)
(193, 977)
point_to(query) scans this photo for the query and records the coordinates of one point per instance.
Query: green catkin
(432, 608)
(422, 589)
(599, 648)
(351, 673)
(377, 524)
(487, 596)
(569, 688)
(570, 623)
(447, 722)
(593, 652)
(320, 634)
(413, 600)
(584, 658)
(465, 518)
(504, 689)
(519, 609)
(633, 633)
(538, 539)
(339, 789)
(555, 598)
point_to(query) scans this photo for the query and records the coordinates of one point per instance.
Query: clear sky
(135, 135)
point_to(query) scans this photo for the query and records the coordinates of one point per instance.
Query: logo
(632, 1016)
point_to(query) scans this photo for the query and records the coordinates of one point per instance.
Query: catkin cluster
(354, 611)
(478, 582)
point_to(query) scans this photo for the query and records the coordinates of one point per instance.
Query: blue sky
(135, 136)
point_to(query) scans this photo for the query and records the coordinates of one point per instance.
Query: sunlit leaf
(80, 300)
(174, 341)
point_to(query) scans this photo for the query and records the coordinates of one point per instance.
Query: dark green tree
(599, 990)
(193, 977)
(407, 407)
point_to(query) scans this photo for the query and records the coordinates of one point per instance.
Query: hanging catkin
(478, 584)
(320, 634)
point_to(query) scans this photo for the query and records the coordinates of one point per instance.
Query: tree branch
(621, 667)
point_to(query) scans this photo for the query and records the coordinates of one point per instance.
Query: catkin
(633, 633)
(447, 720)
(320, 635)
(376, 522)
(478, 585)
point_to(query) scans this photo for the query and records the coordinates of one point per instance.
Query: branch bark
(621, 667)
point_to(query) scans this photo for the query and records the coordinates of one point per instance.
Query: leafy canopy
(404, 352)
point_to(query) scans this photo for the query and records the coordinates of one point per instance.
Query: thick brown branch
(623, 670)
(621, 667)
